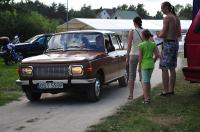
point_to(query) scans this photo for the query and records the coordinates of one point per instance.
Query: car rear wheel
(123, 81)
(33, 96)
(94, 90)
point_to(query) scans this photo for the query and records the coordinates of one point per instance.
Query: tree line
(29, 18)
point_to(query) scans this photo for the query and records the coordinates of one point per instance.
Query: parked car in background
(192, 51)
(33, 46)
(75, 60)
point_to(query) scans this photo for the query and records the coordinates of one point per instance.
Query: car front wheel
(33, 96)
(94, 90)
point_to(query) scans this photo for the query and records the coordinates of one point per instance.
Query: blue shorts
(146, 75)
(169, 55)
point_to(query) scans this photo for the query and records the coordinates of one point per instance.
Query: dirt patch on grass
(166, 120)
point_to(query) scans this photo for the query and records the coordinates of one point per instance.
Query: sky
(152, 6)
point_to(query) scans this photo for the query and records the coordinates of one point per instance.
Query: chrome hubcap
(97, 87)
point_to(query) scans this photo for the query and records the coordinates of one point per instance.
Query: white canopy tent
(114, 24)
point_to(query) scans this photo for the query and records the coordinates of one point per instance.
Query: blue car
(33, 46)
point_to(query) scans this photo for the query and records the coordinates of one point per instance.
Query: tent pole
(67, 15)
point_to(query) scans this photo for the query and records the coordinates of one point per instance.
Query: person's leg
(132, 74)
(149, 84)
(131, 84)
(165, 81)
(172, 80)
(146, 75)
(146, 91)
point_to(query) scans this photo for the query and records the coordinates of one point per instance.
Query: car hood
(19, 44)
(65, 56)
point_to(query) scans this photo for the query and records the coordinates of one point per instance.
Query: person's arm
(163, 32)
(156, 53)
(140, 59)
(130, 39)
(178, 31)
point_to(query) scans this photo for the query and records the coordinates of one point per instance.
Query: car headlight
(27, 71)
(76, 70)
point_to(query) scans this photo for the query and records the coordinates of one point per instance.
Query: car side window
(41, 40)
(108, 45)
(115, 42)
(197, 27)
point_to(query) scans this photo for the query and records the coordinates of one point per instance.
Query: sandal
(146, 102)
(130, 97)
(164, 94)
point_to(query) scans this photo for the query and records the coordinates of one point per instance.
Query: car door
(120, 54)
(192, 51)
(112, 67)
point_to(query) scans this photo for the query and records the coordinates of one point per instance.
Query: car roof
(88, 31)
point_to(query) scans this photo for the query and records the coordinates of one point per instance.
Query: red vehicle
(192, 51)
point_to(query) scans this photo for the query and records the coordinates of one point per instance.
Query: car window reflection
(77, 41)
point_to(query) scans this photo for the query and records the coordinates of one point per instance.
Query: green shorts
(146, 75)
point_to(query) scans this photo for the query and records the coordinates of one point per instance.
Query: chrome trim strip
(83, 81)
(19, 82)
(115, 79)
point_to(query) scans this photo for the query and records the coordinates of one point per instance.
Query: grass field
(9, 91)
(175, 113)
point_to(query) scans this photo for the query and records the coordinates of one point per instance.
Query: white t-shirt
(137, 34)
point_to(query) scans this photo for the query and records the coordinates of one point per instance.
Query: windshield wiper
(75, 46)
(55, 49)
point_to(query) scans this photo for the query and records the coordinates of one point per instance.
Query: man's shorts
(169, 55)
(146, 75)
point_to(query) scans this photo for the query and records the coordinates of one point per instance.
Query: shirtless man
(170, 32)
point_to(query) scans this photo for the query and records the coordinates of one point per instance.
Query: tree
(86, 12)
(178, 8)
(61, 13)
(131, 8)
(141, 11)
(186, 12)
(158, 15)
(123, 7)
(5, 1)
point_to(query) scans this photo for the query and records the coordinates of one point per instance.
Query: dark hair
(169, 6)
(146, 34)
(138, 21)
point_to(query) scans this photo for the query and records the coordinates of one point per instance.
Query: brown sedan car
(75, 60)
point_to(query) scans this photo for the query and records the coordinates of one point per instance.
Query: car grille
(54, 71)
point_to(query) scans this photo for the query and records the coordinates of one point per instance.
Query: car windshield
(32, 39)
(77, 41)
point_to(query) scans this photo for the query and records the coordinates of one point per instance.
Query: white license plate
(50, 85)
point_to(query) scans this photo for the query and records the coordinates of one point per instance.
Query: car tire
(33, 96)
(123, 81)
(94, 90)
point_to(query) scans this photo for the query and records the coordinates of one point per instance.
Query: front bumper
(192, 74)
(72, 81)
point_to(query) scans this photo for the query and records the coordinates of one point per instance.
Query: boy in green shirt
(147, 51)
